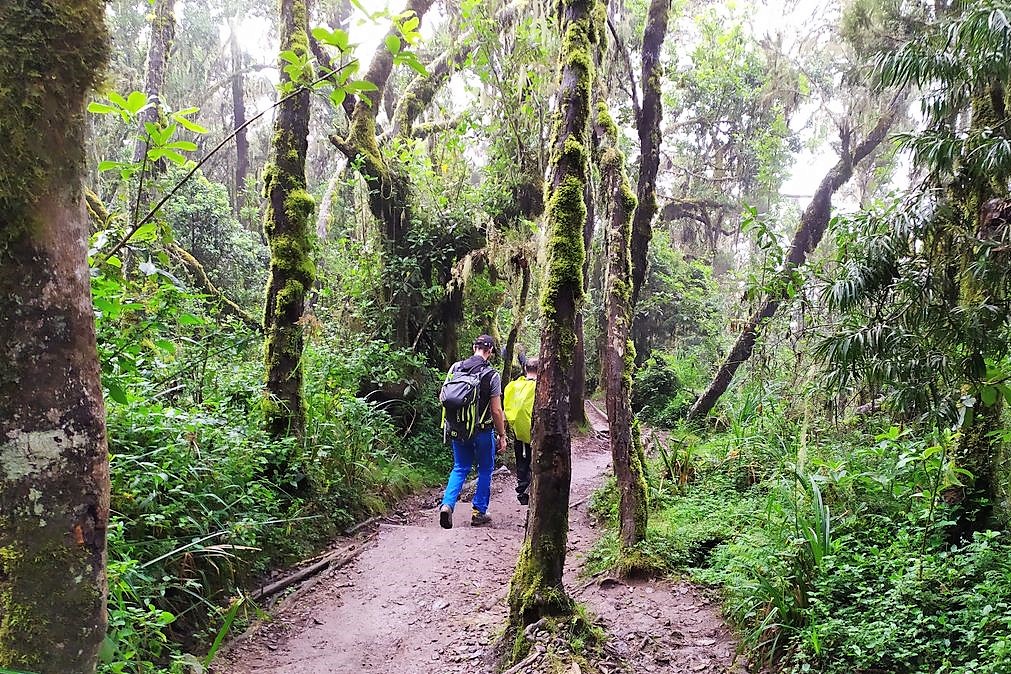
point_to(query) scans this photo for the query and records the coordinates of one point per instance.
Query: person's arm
(498, 417)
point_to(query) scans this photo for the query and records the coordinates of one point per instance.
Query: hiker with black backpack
(471, 399)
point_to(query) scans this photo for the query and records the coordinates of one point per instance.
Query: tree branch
(627, 58)
(198, 272)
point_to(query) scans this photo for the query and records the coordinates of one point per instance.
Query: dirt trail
(423, 600)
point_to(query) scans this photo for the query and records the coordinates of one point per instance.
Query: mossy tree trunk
(163, 30)
(619, 354)
(979, 202)
(648, 120)
(812, 227)
(54, 472)
(536, 589)
(287, 226)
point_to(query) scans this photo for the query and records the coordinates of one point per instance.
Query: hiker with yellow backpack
(519, 412)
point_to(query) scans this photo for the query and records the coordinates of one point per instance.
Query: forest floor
(423, 600)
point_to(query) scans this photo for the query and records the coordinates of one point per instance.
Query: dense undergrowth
(831, 545)
(204, 502)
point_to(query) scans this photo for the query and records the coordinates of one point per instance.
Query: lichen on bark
(54, 486)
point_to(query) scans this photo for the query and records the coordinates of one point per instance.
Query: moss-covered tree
(54, 477)
(536, 588)
(287, 226)
(619, 355)
(648, 119)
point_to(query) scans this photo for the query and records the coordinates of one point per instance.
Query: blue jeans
(480, 448)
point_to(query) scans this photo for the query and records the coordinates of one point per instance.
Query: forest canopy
(759, 250)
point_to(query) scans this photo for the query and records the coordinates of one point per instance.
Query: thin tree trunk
(519, 316)
(577, 386)
(619, 356)
(163, 30)
(54, 470)
(239, 121)
(812, 227)
(648, 124)
(536, 589)
(286, 226)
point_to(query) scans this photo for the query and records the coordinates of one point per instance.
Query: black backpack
(461, 399)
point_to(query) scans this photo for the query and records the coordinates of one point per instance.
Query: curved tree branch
(200, 274)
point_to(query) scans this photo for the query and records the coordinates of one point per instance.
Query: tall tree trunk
(238, 121)
(286, 226)
(812, 227)
(577, 385)
(163, 30)
(619, 355)
(54, 471)
(648, 124)
(536, 589)
(976, 203)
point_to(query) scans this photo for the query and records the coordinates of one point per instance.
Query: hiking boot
(523, 498)
(478, 519)
(446, 517)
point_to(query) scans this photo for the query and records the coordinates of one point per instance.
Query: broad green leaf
(147, 232)
(116, 392)
(135, 101)
(101, 108)
(337, 96)
(184, 145)
(988, 394)
(290, 57)
(117, 99)
(361, 85)
(393, 44)
(109, 165)
(165, 345)
(411, 25)
(164, 153)
(417, 66)
(187, 124)
(189, 319)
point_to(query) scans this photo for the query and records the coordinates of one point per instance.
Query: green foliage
(201, 220)
(664, 388)
(679, 307)
(829, 546)
(159, 137)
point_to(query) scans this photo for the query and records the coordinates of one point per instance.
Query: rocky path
(425, 600)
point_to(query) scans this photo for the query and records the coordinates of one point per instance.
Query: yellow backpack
(519, 406)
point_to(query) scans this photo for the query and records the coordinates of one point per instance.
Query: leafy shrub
(664, 389)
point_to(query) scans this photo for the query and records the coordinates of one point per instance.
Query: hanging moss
(53, 54)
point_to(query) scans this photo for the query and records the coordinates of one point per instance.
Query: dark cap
(484, 342)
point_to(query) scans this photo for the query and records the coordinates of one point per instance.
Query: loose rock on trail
(424, 600)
